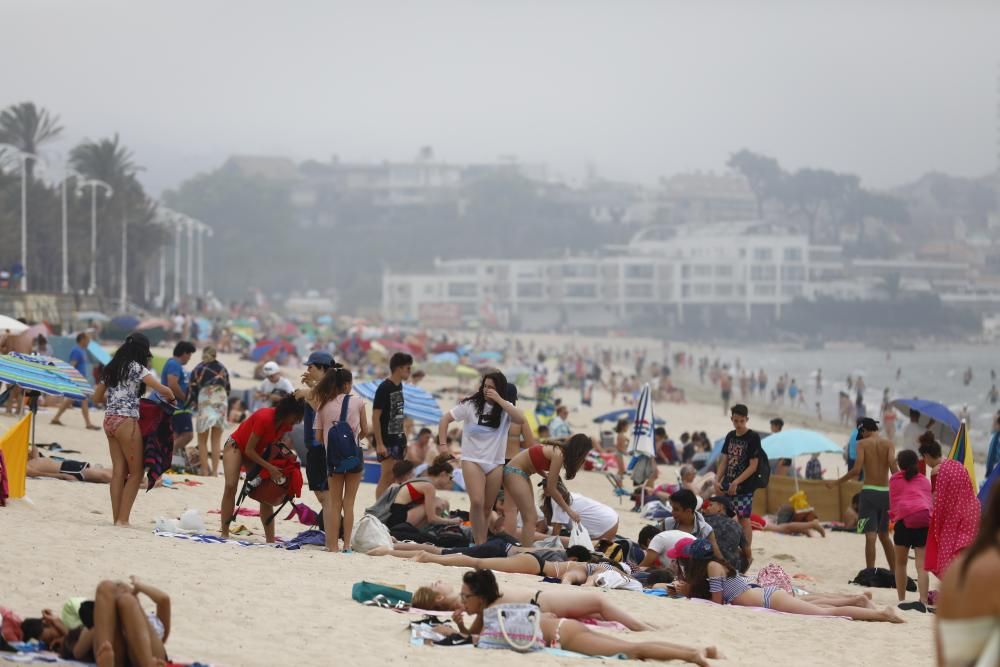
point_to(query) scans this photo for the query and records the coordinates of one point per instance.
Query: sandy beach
(264, 606)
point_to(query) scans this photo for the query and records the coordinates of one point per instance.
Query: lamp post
(94, 184)
(23, 156)
(124, 277)
(67, 173)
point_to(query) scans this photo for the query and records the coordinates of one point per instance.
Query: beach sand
(262, 606)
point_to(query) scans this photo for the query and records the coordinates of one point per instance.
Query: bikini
(538, 461)
(398, 511)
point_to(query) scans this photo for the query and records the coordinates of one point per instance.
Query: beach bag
(877, 577)
(579, 536)
(370, 533)
(512, 626)
(406, 532)
(774, 575)
(642, 470)
(366, 591)
(447, 537)
(342, 451)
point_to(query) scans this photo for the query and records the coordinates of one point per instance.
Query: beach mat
(212, 539)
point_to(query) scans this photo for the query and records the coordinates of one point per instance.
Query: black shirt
(389, 399)
(739, 451)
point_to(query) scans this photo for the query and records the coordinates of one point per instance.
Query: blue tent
(418, 404)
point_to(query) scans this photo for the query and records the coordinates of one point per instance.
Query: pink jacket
(907, 498)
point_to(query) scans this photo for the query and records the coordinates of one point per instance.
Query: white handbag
(578, 536)
(512, 626)
(369, 534)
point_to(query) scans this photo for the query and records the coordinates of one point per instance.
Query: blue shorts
(181, 422)
(743, 504)
(394, 453)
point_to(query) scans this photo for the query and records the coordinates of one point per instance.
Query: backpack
(761, 477)
(383, 505)
(343, 454)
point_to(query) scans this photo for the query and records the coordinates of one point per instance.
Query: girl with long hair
(265, 427)
(910, 507)
(330, 394)
(705, 577)
(547, 459)
(210, 394)
(124, 380)
(480, 591)
(487, 416)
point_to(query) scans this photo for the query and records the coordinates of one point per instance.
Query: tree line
(33, 129)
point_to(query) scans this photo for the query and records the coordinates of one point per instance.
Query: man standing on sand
(175, 377)
(78, 360)
(738, 466)
(877, 458)
(387, 414)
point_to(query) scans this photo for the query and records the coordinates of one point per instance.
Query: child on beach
(125, 379)
(910, 504)
(480, 591)
(388, 418)
(487, 416)
(738, 466)
(330, 394)
(547, 459)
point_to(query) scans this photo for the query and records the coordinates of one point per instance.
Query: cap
(270, 368)
(726, 503)
(319, 358)
(867, 424)
(691, 548)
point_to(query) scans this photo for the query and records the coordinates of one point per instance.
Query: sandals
(383, 602)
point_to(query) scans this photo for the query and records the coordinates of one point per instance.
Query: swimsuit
(74, 468)
(514, 470)
(537, 456)
(398, 511)
(112, 422)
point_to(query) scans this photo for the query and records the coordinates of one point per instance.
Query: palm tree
(28, 127)
(107, 160)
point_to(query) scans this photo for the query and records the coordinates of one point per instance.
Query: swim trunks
(873, 511)
(743, 504)
(316, 468)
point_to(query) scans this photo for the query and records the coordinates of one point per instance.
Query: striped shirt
(730, 587)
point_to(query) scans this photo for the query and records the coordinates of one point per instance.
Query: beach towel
(157, 440)
(14, 443)
(41, 657)
(954, 517)
(313, 537)
(212, 539)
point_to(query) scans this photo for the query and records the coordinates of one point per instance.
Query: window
(791, 290)
(702, 289)
(686, 271)
(763, 273)
(762, 254)
(702, 270)
(579, 270)
(793, 254)
(462, 290)
(581, 290)
(639, 290)
(764, 290)
(529, 290)
(723, 290)
(723, 271)
(428, 290)
(793, 273)
(641, 271)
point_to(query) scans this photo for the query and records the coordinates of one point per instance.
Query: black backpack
(877, 577)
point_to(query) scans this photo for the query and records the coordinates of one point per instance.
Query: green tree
(28, 127)
(763, 174)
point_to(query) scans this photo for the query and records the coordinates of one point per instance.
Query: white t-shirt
(911, 436)
(595, 516)
(701, 528)
(665, 541)
(268, 387)
(481, 444)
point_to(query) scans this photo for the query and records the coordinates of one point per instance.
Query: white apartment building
(744, 270)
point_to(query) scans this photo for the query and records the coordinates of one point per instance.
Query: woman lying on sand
(559, 601)
(121, 633)
(480, 591)
(578, 569)
(704, 577)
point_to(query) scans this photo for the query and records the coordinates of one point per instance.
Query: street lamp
(68, 171)
(23, 156)
(94, 184)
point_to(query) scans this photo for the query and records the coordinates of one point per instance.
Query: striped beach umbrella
(44, 374)
(961, 451)
(418, 404)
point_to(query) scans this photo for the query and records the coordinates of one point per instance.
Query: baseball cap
(726, 503)
(319, 358)
(270, 368)
(691, 548)
(867, 424)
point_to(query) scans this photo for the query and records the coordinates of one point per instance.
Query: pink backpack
(773, 574)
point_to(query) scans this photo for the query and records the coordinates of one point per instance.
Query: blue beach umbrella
(946, 423)
(418, 404)
(798, 442)
(445, 358)
(624, 413)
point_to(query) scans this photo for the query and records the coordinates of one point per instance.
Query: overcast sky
(886, 89)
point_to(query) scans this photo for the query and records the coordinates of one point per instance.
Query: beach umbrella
(25, 340)
(624, 413)
(324, 319)
(47, 375)
(464, 371)
(798, 442)
(16, 327)
(99, 354)
(154, 323)
(204, 328)
(90, 316)
(946, 423)
(245, 334)
(445, 358)
(961, 451)
(270, 348)
(418, 404)
(480, 357)
(126, 322)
